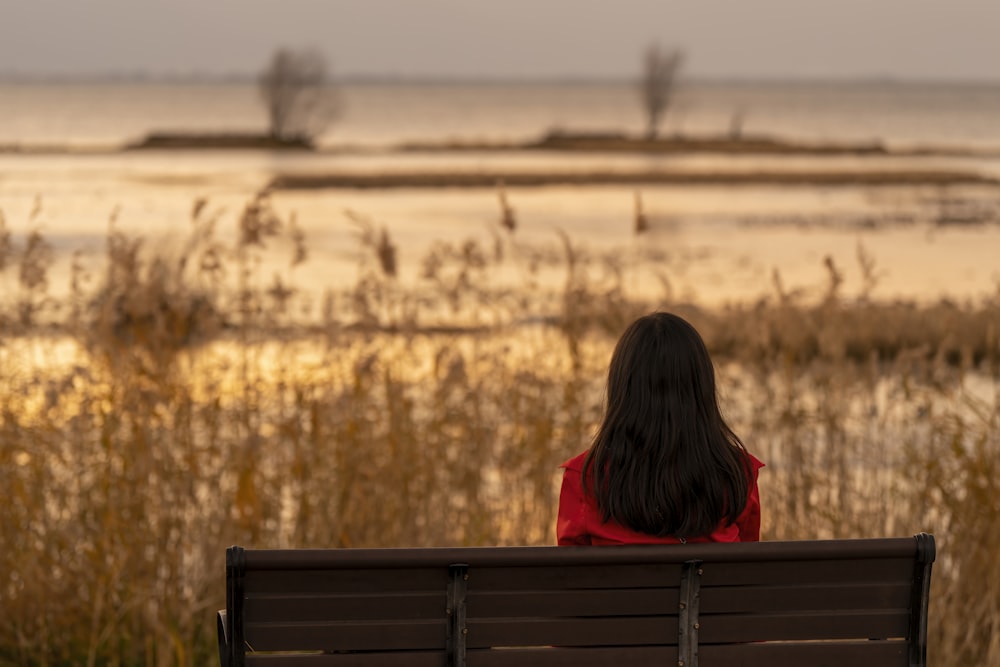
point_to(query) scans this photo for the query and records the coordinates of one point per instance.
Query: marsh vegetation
(175, 401)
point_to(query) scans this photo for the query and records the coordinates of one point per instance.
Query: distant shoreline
(569, 143)
(219, 140)
(483, 179)
(590, 142)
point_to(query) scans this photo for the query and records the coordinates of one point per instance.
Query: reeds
(184, 402)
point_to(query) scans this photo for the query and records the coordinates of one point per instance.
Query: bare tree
(659, 74)
(300, 101)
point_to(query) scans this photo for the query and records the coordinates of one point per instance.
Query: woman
(664, 466)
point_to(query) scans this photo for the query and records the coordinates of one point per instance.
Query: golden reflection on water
(714, 244)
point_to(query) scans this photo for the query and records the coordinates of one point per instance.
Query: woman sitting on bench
(664, 466)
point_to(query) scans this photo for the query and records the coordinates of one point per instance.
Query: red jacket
(580, 521)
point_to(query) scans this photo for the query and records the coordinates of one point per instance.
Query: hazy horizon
(522, 40)
(208, 78)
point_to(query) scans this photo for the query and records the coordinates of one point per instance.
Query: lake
(715, 243)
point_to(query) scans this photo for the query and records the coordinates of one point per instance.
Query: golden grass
(182, 404)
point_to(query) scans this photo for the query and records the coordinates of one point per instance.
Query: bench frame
(692, 558)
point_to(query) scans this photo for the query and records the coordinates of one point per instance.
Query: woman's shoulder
(753, 465)
(576, 463)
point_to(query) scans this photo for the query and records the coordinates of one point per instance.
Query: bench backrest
(826, 602)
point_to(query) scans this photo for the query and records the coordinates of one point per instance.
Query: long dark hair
(664, 461)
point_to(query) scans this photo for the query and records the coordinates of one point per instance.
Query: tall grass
(176, 403)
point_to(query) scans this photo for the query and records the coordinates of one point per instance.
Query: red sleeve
(571, 525)
(749, 521)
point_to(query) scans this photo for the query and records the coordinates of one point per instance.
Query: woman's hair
(664, 461)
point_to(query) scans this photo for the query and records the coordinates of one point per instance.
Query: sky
(949, 40)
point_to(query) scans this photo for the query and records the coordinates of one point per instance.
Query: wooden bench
(826, 602)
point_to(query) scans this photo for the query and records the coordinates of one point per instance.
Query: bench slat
(264, 583)
(387, 606)
(372, 659)
(619, 656)
(662, 630)
(356, 606)
(819, 654)
(622, 631)
(352, 636)
(879, 570)
(797, 626)
(805, 598)
(583, 577)
(813, 654)
(546, 556)
(654, 601)
(632, 602)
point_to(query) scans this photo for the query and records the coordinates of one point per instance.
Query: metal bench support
(687, 622)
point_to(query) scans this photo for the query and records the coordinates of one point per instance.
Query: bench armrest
(223, 639)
